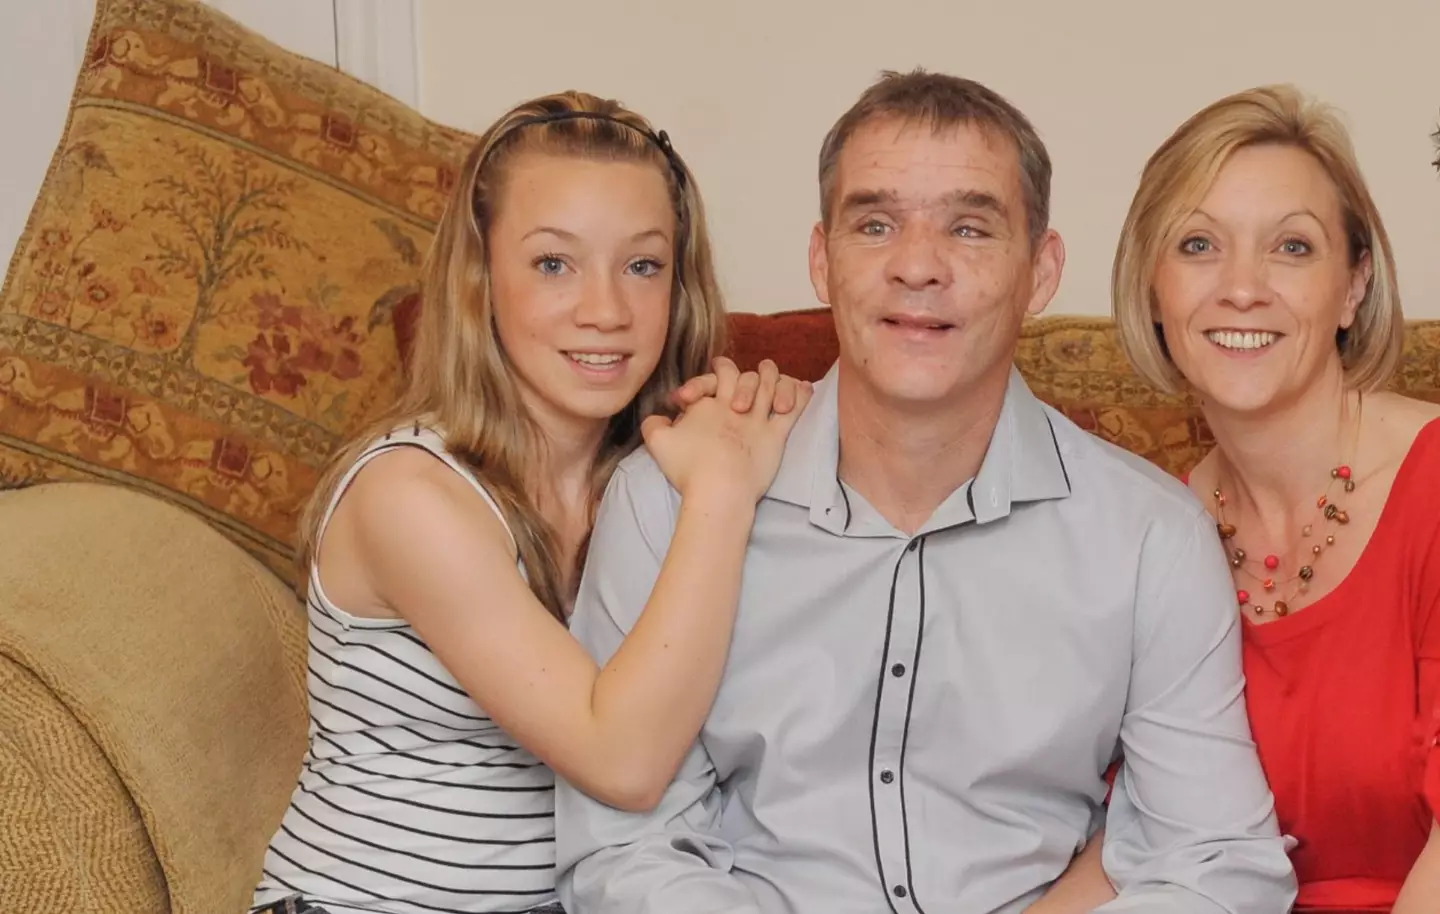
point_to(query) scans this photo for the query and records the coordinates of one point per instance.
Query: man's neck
(906, 460)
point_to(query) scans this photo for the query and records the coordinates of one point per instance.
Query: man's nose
(918, 260)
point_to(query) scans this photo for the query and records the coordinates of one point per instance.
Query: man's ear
(819, 263)
(1049, 263)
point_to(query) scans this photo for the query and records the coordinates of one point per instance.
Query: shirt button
(897, 670)
(899, 891)
(887, 776)
(913, 545)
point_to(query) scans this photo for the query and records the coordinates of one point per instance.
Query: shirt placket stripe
(892, 716)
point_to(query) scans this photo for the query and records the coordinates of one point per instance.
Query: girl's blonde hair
(460, 379)
(1181, 172)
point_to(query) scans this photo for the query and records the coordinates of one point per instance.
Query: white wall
(42, 43)
(747, 88)
(41, 47)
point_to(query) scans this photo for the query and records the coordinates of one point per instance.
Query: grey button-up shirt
(922, 724)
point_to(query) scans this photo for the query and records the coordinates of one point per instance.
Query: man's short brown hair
(944, 102)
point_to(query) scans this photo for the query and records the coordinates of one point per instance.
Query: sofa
(217, 284)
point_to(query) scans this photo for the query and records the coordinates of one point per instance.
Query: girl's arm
(433, 551)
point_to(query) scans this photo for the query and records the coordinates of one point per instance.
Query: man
(958, 608)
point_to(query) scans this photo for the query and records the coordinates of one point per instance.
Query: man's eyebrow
(965, 199)
(976, 199)
(857, 199)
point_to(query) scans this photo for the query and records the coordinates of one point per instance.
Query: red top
(1344, 700)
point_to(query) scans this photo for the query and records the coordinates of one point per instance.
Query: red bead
(1272, 562)
(1343, 472)
(1243, 596)
(1269, 583)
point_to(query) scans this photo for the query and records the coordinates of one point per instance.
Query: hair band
(660, 139)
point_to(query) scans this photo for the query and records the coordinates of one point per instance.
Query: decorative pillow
(200, 304)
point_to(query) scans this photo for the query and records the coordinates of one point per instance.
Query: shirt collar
(1022, 464)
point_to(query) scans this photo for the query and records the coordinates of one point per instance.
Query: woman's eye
(1195, 246)
(645, 267)
(1295, 247)
(550, 266)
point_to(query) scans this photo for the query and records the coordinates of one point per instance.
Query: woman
(1255, 271)
(569, 290)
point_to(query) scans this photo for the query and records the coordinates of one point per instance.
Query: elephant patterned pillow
(201, 302)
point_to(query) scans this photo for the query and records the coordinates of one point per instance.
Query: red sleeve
(1427, 627)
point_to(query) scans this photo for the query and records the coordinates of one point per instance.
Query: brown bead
(1235, 562)
(1331, 511)
(1329, 540)
(1281, 609)
(1306, 572)
(1349, 485)
(1342, 517)
(1315, 550)
(1218, 496)
(1305, 530)
(1239, 555)
(1226, 530)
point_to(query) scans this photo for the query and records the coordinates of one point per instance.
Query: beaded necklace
(1262, 571)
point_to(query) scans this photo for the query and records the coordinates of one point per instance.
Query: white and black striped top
(410, 800)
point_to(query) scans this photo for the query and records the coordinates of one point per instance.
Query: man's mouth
(908, 322)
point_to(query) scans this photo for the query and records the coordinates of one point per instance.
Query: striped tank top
(410, 799)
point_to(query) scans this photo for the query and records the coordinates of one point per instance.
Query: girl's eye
(646, 267)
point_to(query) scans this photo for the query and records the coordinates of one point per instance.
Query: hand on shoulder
(731, 435)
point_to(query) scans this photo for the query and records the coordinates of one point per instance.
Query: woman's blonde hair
(1181, 172)
(460, 379)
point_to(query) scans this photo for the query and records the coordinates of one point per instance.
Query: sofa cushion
(200, 302)
(72, 839)
(161, 716)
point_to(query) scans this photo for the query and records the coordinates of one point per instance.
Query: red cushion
(802, 343)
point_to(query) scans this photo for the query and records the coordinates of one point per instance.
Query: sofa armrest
(180, 657)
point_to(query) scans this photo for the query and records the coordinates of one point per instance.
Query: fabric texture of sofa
(216, 285)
